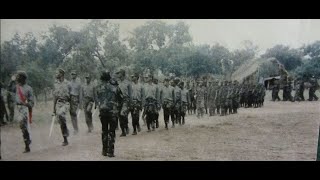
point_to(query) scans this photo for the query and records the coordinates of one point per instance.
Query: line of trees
(154, 45)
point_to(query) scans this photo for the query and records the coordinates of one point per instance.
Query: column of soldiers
(115, 99)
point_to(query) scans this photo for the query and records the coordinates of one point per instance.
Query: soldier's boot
(65, 141)
(127, 130)
(157, 123)
(134, 130)
(104, 144)
(123, 132)
(110, 149)
(166, 125)
(183, 120)
(27, 147)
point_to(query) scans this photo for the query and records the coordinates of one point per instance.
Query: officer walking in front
(88, 92)
(75, 100)
(109, 98)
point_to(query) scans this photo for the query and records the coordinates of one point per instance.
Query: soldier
(61, 99)
(217, 98)
(275, 90)
(235, 97)
(184, 101)
(126, 90)
(312, 89)
(24, 102)
(3, 110)
(177, 102)
(88, 92)
(151, 102)
(155, 82)
(75, 100)
(11, 94)
(136, 104)
(211, 98)
(167, 101)
(109, 98)
(200, 98)
(298, 88)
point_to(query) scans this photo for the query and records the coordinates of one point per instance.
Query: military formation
(142, 95)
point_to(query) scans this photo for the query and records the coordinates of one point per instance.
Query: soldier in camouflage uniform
(75, 100)
(200, 99)
(217, 100)
(126, 90)
(299, 91)
(275, 90)
(11, 94)
(24, 102)
(212, 95)
(223, 98)
(167, 101)
(109, 99)
(177, 103)
(312, 89)
(88, 92)
(151, 102)
(61, 99)
(235, 97)
(136, 103)
(184, 101)
(155, 83)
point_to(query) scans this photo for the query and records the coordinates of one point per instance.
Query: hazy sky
(229, 32)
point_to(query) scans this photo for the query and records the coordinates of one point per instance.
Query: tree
(290, 58)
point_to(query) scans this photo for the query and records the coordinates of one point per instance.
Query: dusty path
(278, 131)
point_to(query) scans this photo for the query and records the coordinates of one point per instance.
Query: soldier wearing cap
(109, 99)
(136, 103)
(167, 99)
(75, 100)
(61, 99)
(89, 98)
(184, 101)
(313, 88)
(24, 102)
(11, 94)
(151, 99)
(275, 90)
(200, 99)
(155, 83)
(126, 89)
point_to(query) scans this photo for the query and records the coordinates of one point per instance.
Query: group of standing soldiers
(287, 87)
(225, 98)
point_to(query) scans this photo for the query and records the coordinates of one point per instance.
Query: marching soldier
(109, 97)
(89, 99)
(200, 98)
(75, 100)
(24, 102)
(126, 90)
(177, 103)
(61, 99)
(136, 104)
(167, 101)
(312, 89)
(184, 101)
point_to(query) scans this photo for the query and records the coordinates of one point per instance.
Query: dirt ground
(278, 131)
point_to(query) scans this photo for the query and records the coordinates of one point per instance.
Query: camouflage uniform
(151, 104)
(299, 88)
(177, 103)
(136, 105)
(11, 99)
(61, 93)
(75, 101)
(167, 100)
(109, 98)
(275, 91)
(184, 102)
(312, 89)
(200, 99)
(23, 110)
(88, 92)
(126, 90)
